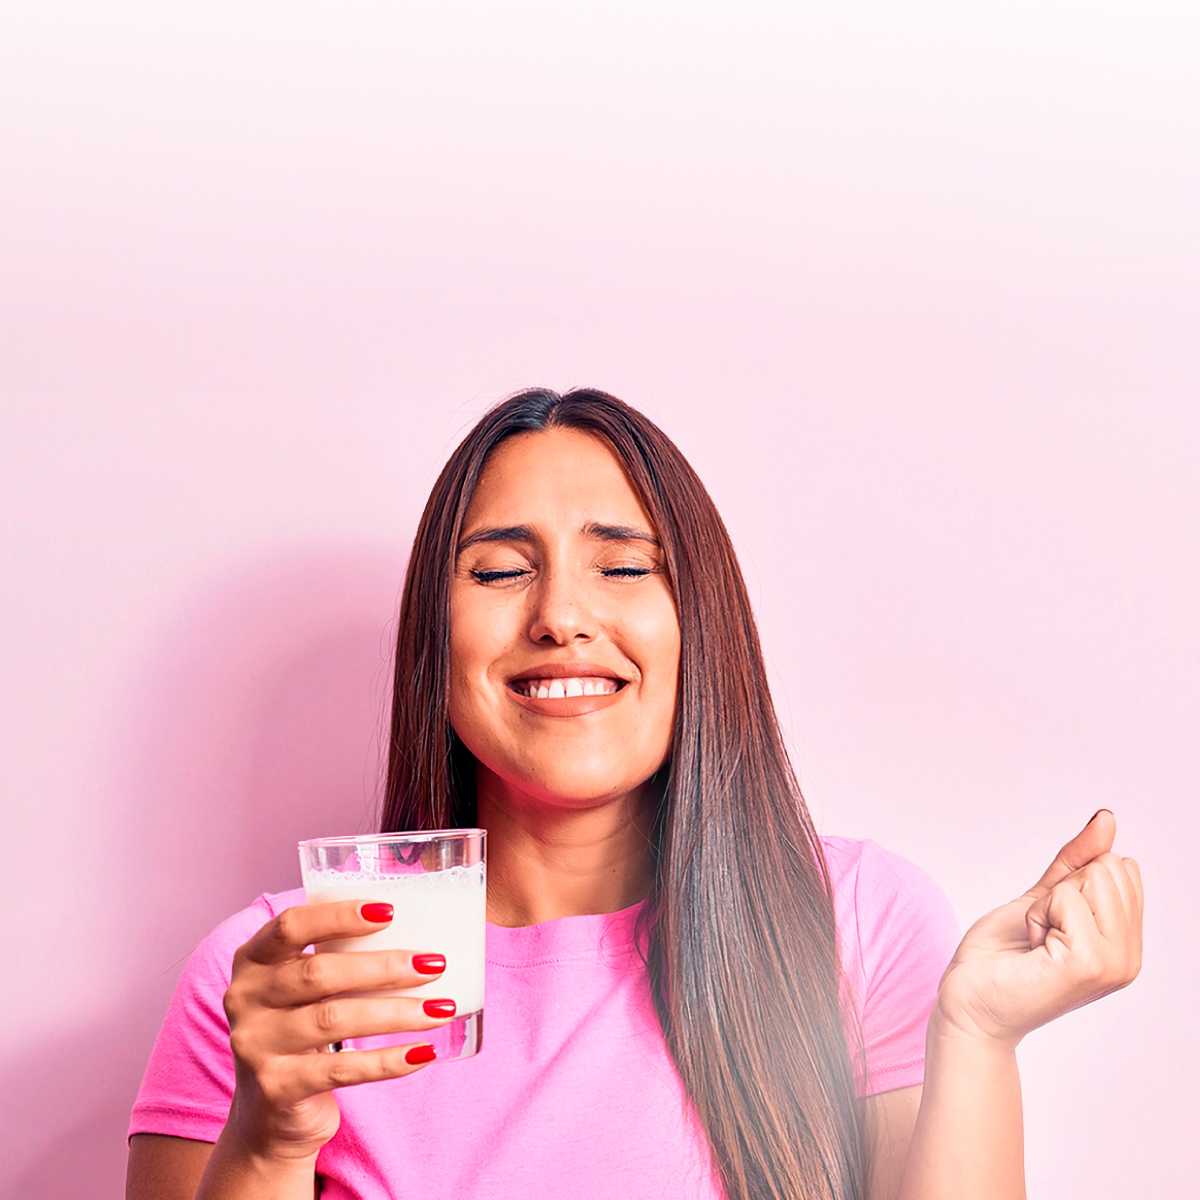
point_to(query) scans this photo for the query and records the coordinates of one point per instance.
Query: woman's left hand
(1075, 936)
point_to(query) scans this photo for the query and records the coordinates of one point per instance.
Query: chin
(573, 791)
(566, 784)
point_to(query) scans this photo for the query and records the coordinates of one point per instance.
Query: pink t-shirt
(574, 1090)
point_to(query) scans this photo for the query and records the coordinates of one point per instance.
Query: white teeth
(558, 689)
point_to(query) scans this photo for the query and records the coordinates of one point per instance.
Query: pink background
(916, 287)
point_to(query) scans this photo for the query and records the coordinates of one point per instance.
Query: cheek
(472, 638)
(469, 656)
(655, 631)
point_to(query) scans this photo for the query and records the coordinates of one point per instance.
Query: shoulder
(886, 907)
(896, 932)
(871, 874)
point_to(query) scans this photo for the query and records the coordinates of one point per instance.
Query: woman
(689, 992)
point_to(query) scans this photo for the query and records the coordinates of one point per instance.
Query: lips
(566, 688)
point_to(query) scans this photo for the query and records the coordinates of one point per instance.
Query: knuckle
(340, 1072)
(234, 1001)
(286, 926)
(314, 972)
(327, 1017)
(272, 1083)
(242, 1044)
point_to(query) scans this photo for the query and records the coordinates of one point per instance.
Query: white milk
(437, 912)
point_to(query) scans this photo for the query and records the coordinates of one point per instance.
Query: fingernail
(439, 1008)
(1098, 812)
(429, 964)
(420, 1054)
(378, 912)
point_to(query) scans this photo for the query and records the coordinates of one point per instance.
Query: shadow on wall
(258, 718)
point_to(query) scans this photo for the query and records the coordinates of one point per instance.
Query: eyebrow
(497, 533)
(619, 533)
(524, 533)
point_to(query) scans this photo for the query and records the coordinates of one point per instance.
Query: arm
(168, 1168)
(283, 1007)
(888, 1122)
(1073, 937)
(968, 1139)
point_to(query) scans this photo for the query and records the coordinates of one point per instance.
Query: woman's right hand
(286, 1006)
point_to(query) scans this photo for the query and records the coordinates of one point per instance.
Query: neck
(549, 861)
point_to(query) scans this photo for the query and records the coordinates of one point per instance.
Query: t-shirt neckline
(583, 936)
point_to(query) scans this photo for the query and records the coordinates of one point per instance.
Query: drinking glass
(436, 884)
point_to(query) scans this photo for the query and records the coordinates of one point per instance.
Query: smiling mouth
(559, 689)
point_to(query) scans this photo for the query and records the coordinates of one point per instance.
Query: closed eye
(496, 576)
(625, 572)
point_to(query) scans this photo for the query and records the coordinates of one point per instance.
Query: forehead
(552, 474)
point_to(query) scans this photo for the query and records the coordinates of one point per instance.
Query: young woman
(690, 994)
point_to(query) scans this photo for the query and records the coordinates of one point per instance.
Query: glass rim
(383, 839)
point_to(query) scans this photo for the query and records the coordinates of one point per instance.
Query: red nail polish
(420, 1054)
(429, 964)
(377, 912)
(439, 1008)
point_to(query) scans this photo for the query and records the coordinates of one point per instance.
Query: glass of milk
(436, 883)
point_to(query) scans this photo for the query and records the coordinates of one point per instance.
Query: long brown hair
(741, 950)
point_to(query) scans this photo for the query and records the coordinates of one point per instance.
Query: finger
(1079, 955)
(1134, 873)
(1107, 880)
(1123, 881)
(292, 930)
(1099, 885)
(312, 977)
(1062, 916)
(1094, 839)
(1130, 882)
(346, 1017)
(295, 1079)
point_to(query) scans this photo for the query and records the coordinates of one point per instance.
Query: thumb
(1094, 839)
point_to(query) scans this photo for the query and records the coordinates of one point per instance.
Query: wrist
(236, 1168)
(266, 1148)
(951, 1030)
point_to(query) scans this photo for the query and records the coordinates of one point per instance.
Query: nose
(561, 614)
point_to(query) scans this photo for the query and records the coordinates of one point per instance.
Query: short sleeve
(188, 1085)
(896, 934)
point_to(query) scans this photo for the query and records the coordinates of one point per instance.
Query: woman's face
(564, 643)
